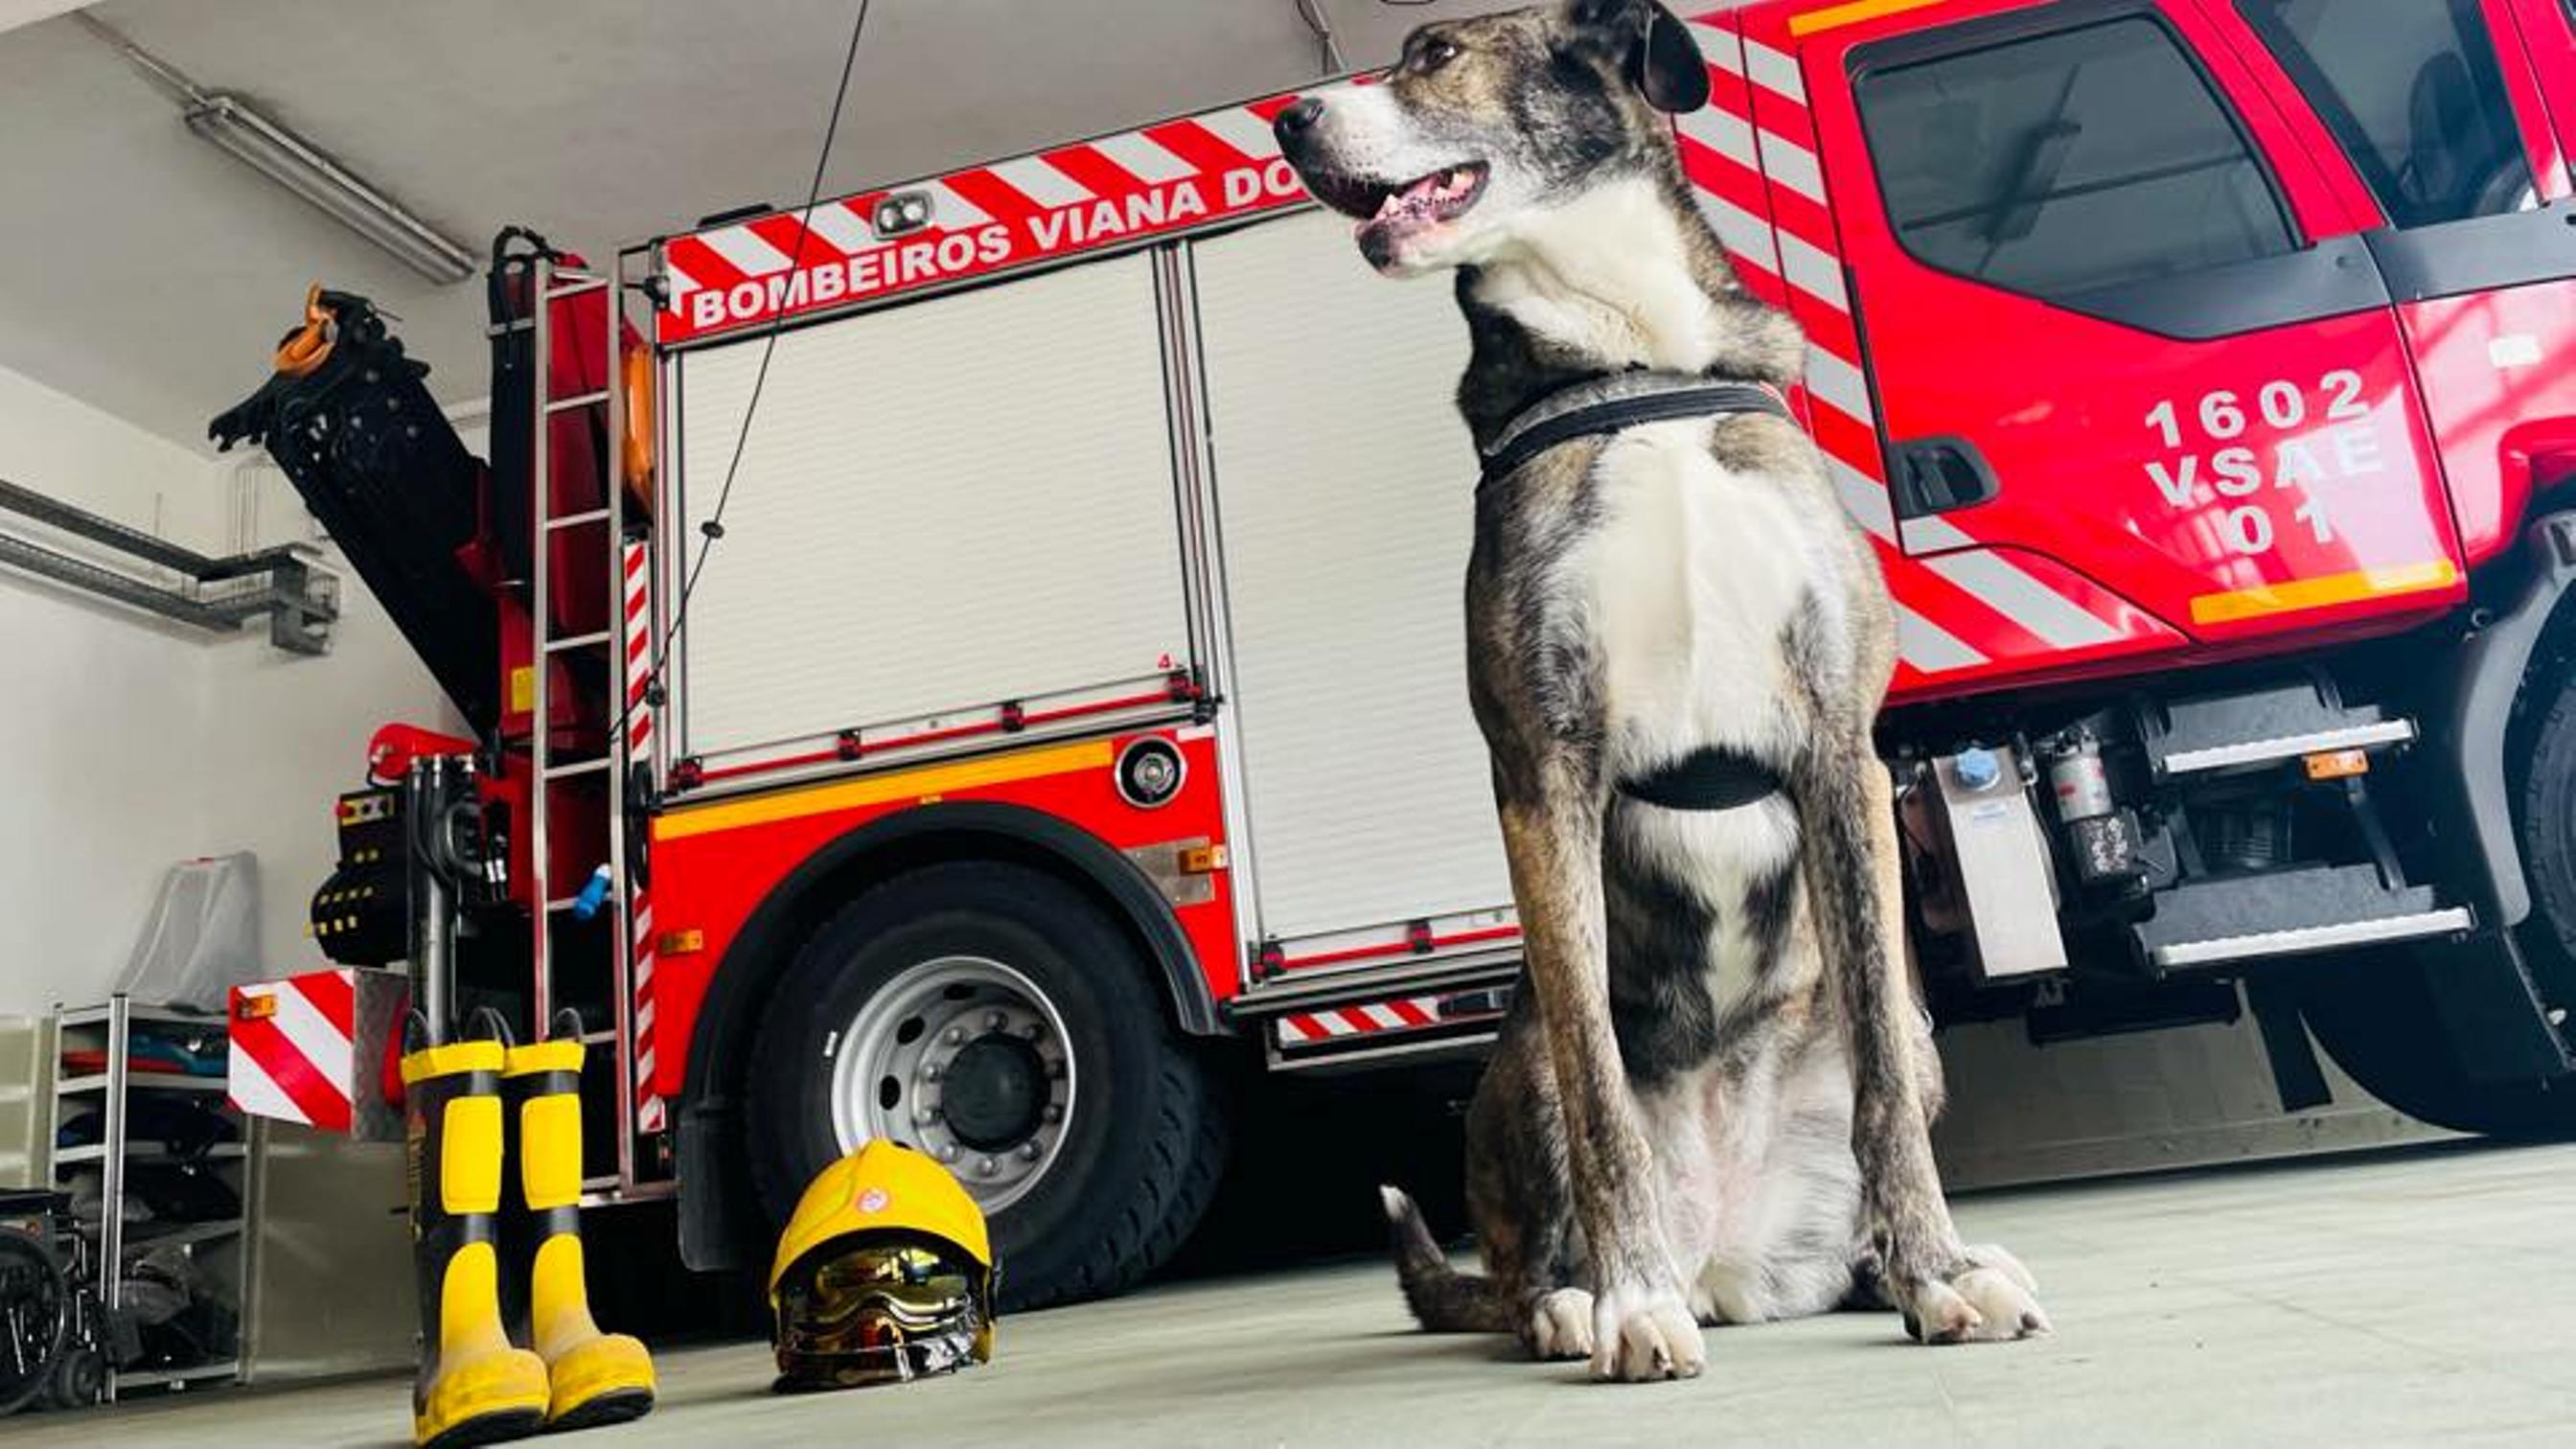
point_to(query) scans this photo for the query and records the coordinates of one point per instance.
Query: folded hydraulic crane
(467, 859)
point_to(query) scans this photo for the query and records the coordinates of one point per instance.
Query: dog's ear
(1652, 46)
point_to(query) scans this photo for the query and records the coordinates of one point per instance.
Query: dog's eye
(1433, 55)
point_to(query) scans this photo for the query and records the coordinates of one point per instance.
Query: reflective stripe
(1035, 179)
(1773, 71)
(1138, 156)
(2025, 600)
(256, 1093)
(1864, 498)
(1840, 383)
(1723, 132)
(840, 227)
(950, 210)
(1813, 272)
(1792, 166)
(1929, 647)
(745, 252)
(1747, 237)
(1242, 130)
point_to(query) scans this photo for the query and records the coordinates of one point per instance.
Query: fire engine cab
(956, 663)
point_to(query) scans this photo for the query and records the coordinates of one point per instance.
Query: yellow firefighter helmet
(884, 1273)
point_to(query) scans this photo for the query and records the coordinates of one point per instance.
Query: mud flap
(2492, 1017)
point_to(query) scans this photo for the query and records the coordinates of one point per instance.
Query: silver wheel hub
(964, 1058)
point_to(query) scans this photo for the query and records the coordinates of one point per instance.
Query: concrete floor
(2404, 1297)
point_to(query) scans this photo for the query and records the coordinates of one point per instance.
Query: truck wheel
(2377, 1018)
(2547, 810)
(994, 1018)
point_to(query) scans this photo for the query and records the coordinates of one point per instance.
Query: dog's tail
(1443, 1299)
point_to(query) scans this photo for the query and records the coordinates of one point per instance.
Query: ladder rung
(581, 284)
(584, 400)
(584, 767)
(597, 1038)
(575, 520)
(561, 903)
(577, 641)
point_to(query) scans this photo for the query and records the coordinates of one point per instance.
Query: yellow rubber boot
(474, 1387)
(596, 1378)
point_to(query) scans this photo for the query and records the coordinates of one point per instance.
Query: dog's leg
(1847, 815)
(1641, 1327)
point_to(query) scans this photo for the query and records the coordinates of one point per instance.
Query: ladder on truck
(557, 777)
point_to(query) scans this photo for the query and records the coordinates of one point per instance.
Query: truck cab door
(2120, 324)
(2452, 113)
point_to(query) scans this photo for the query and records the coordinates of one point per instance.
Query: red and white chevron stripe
(1964, 612)
(1088, 196)
(1404, 1013)
(294, 1056)
(651, 1115)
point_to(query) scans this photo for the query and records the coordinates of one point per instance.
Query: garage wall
(98, 733)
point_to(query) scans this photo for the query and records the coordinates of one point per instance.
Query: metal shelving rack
(115, 1151)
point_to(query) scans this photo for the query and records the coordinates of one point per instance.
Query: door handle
(1938, 475)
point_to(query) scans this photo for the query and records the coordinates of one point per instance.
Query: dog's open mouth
(1392, 211)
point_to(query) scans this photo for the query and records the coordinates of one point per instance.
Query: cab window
(2065, 163)
(2413, 94)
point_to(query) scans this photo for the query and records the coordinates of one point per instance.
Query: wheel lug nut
(925, 1115)
(930, 1071)
(1054, 1113)
(1032, 1031)
(987, 1167)
(993, 1020)
(1028, 1152)
(1055, 1069)
(954, 1036)
(948, 1152)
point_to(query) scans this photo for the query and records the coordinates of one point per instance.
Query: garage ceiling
(150, 273)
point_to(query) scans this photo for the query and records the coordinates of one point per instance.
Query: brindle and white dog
(1712, 1102)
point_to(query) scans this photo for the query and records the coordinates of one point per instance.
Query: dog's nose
(1298, 119)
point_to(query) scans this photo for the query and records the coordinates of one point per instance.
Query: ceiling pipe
(234, 125)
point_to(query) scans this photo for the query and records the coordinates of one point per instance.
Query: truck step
(2253, 728)
(2289, 913)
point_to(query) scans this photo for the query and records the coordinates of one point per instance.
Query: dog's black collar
(1620, 400)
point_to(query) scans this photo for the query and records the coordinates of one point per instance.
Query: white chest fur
(1688, 582)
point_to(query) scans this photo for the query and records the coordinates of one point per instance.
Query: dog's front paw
(1991, 1298)
(1559, 1325)
(1641, 1334)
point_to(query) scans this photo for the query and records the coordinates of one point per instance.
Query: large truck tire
(993, 1016)
(2379, 1019)
(2545, 807)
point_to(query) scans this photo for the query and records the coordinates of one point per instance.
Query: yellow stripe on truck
(878, 789)
(2237, 605)
(1853, 13)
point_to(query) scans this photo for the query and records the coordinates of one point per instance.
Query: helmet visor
(876, 1311)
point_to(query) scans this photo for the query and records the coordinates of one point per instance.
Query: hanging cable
(713, 529)
(1328, 49)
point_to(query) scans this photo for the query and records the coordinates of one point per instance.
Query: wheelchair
(52, 1322)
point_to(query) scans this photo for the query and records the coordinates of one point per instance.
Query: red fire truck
(1056, 685)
